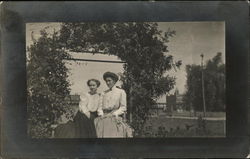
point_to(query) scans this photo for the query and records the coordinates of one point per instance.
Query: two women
(99, 115)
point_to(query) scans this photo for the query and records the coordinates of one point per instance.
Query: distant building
(179, 102)
(73, 100)
(159, 106)
(174, 102)
(166, 104)
(171, 103)
(161, 102)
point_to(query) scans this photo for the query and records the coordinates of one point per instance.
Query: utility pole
(203, 90)
(130, 103)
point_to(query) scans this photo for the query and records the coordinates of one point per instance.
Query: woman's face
(92, 86)
(110, 82)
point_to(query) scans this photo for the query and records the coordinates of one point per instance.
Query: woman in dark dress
(83, 122)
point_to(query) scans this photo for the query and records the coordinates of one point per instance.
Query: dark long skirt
(81, 127)
(66, 130)
(84, 126)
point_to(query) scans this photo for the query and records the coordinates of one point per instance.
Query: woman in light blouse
(113, 105)
(88, 106)
(83, 122)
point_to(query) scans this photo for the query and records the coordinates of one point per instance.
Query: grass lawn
(160, 112)
(177, 126)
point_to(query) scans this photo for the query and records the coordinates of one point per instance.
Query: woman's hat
(111, 75)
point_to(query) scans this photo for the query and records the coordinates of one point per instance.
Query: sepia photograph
(126, 79)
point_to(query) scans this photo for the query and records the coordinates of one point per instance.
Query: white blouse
(114, 99)
(89, 102)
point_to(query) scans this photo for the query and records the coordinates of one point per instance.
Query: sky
(191, 40)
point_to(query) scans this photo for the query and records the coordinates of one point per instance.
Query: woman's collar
(92, 93)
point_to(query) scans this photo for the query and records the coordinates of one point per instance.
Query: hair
(98, 83)
(111, 75)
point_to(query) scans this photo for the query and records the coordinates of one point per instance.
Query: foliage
(214, 85)
(47, 84)
(141, 45)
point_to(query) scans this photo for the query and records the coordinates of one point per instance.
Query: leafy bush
(47, 84)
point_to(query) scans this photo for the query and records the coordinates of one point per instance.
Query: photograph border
(14, 139)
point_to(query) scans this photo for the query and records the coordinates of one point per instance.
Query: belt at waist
(106, 111)
(93, 115)
(95, 112)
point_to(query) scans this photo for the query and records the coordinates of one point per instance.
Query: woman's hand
(87, 114)
(115, 114)
(100, 115)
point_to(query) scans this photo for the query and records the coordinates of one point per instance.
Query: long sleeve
(123, 104)
(83, 104)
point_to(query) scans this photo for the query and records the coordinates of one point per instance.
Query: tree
(47, 84)
(214, 76)
(193, 96)
(142, 46)
(214, 84)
